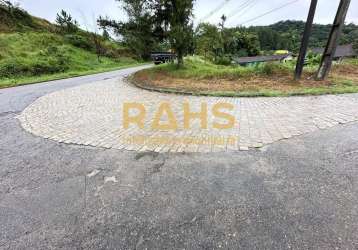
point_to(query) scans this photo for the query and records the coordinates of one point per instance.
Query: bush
(355, 45)
(271, 68)
(313, 59)
(13, 67)
(197, 68)
(49, 66)
(52, 60)
(268, 68)
(223, 60)
(79, 41)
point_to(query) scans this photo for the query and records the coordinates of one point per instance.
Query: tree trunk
(180, 59)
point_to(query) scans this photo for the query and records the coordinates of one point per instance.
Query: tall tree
(11, 5)
(138, 32)
(220, 42)
(180, 13)
(66, 22)
(208, 41)
(154, 22)
(222, 23)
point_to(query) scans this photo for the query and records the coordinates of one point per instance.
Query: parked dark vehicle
(162, 57)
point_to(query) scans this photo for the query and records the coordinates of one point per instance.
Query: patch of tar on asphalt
(107, 179)
(93, 173)
(157, 168)
(110, 179)
(264, 148)
(140, 155)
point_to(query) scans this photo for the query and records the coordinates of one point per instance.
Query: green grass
(31, 57)
(352, 61)
(339, 88)
(197, 69)
(25, 80)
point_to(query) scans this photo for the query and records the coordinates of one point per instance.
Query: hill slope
(33, 49)
(287, 35)
(14, 19)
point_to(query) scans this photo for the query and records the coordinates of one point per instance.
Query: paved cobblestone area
(92, 115)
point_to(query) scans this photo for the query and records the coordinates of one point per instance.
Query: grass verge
(270, 80)
(25, 80)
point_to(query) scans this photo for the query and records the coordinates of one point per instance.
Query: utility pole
(305, 40)
(333, 40)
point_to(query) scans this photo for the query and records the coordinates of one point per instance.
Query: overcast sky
(86, 11)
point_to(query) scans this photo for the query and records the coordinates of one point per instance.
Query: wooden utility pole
(333, 40)
(305, 40)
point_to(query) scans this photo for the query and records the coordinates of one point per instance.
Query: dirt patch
(276, 82)
(346, 71)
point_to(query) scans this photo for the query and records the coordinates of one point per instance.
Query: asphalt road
(299, 193)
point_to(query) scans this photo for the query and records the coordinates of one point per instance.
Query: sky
(86, 11)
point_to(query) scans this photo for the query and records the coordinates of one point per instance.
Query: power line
(245, 8)
(269, 12)
(239, 8)
(219, 7)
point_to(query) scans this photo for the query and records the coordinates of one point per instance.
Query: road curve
(93, 115)
(299, 193)
(15, 99)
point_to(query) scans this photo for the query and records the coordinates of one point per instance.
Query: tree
(11, 5)
(7, 3)
(179, 13)
(355, 45)
(222, 23)
(105, 34)
(66, 22)
(225, 43)
(152, 23)
(207, 38)
(97, 41)
(138, 32)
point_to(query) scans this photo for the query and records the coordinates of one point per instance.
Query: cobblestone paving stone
(92, 115)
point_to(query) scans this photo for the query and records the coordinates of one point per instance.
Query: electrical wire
(240, 8)
(269, 12)
(219, 7)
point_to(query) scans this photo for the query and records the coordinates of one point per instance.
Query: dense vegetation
(154, 24)
(167, 25)
(33, 49)
(221, 44)
(197, 68)
(287, 35)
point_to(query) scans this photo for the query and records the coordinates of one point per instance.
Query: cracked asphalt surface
(299, 193)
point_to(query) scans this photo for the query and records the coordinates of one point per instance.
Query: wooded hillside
(287, 35)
